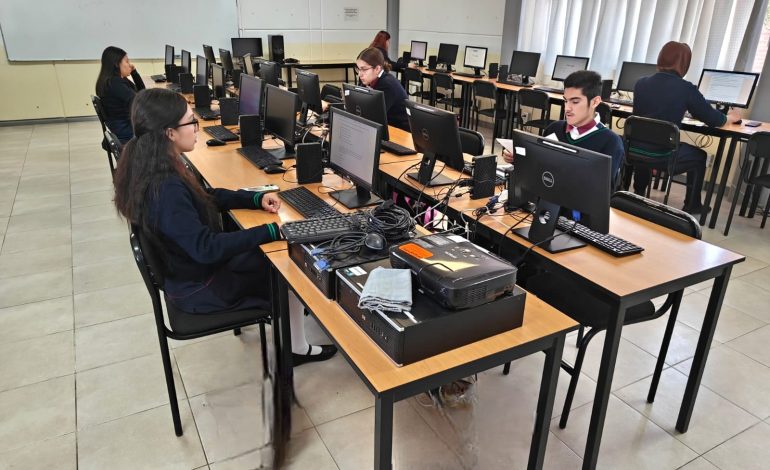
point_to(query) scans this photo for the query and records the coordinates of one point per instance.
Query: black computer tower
(251, 130)
(606, 89)
(186, 82)
(275, 48)
(202, 96)
(309, 165)
(484, 174)
(228, 108)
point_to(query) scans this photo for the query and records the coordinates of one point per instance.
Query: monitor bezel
(376, 164)
(465, 57)
(555, 63)
(735, 105)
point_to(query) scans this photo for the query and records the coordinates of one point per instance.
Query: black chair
(113, 149)
(97, 103)
(537, 100)
(756, 176)
(641, 133)
(415, 79)
(486, 90)
(591, 312)
(444, 89)
(605, 114)
(183, 325)
(472, 142)
(331, 93)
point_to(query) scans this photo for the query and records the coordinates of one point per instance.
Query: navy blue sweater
(395, 96)
(602, 140)
(666, 96)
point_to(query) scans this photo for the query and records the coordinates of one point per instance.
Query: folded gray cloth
(387, 289)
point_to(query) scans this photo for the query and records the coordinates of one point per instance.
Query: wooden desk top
(540, 320)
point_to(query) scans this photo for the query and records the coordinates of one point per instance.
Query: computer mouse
(374, 241)
(739, 121)
(215, 143)
(273, 169)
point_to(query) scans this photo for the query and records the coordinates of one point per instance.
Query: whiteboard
(81, 29)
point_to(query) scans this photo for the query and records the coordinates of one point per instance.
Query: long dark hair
(148, 159)
(111, 58)
(380, 39)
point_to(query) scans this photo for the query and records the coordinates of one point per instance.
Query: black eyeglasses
(194, 122)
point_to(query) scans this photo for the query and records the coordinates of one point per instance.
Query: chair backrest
(532, 99)
(141, 250)
(641, 134)
(655, 212)
(759, 145)
(443, 80)
(97, 102)
(605, 114)
(331, 90)
(113, 149)
(413, 75)
(484, 89)
(471, 142)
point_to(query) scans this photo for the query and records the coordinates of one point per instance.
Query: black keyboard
(605, 242)
(548, 89)
(307, 203)
(393, 147)
(467, 74)
(625, 102)
(207, 114)
(222, 133)
(324, 228)
(259, 156)
(158, 78)
(174, 87)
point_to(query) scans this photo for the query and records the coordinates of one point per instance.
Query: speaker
(251, 130)
(606, 89)
(309, 166)
(492, 70)
(228, 108)
(186, 81)
(236, 76)
(516, 199)
(172, 73)
(502, 73)
(432, 62)
(275, 47)
(484, 174)
(202, 96)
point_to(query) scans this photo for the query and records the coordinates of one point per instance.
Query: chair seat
(184, 323)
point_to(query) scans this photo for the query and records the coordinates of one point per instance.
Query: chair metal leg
(263, 347)
(765, 214)
(575, 373)
(506, 368)
(168, 372)
(579, 336)
(735, 198)
(664, 346)
(236, 332)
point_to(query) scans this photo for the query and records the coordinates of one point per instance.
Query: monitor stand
(419, 63)
(303, 112)
(283, 153)
(426, 176)
(544, 228)
(477, 71)
(355, 197)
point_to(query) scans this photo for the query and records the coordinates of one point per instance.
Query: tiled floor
(81, 382)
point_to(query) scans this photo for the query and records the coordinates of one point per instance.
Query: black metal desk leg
(288, 76)
(282, 342)
(723, 182)
(383, 432)
(603, 388)
(465, 91)
(545, 403)
(702, 350)
(713, 178)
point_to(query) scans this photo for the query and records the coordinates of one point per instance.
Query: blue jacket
(667, 97)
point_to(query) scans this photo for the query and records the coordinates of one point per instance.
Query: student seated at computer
(116, 91)
(205, 269)
(381, 42)
(582, 127)
(373, 72)
(666, 95)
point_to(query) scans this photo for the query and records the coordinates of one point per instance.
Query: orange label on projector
(415, 250)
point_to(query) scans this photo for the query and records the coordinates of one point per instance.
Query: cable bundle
(392, 221)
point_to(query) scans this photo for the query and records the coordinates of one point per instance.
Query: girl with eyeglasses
(373, 72)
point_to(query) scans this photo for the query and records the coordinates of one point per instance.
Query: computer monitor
(447, 54)
(218, 80)
(354, 152)
(435, 134)
(248, 65)
(243, 46)
(418, 51)
(524, 64)
(169, 55)
(280, 117)
(201, 70)
(566, 64)
(367, 103)
(250, 95)
(227, 60)
(270, 72)
(475, 58)
(309, 93)
(558, 176)
(186, 61)
(631, 72)
(727, 88)
(208, 53)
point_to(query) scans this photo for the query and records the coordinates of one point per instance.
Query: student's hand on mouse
(733, 115)
(507, 156)
(271, 202)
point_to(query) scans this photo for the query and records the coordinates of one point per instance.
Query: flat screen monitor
(208, 53)
(728, 88)
(248, 65)
(218, 80)
(169, 55)
(309, 93)
(270, 72)
(201, 70)
(524, 64)
(226, 59)
(631, 72)
(555, 176)
(436, 135)
(243, 46)
(447, 54)
(475, 58)
(186, 61)
(566, 64)
(281, 108)
(419, 50)
(250, 95)
(367, 103)
(354, 152)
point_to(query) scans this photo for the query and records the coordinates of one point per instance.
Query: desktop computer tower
(275, 48)
(202, 96)
(309, 165)
(228, 108)
(432, 62)
(173, 72)
(606, 89)
(186, 82)
(484, 174)
(251, 130)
